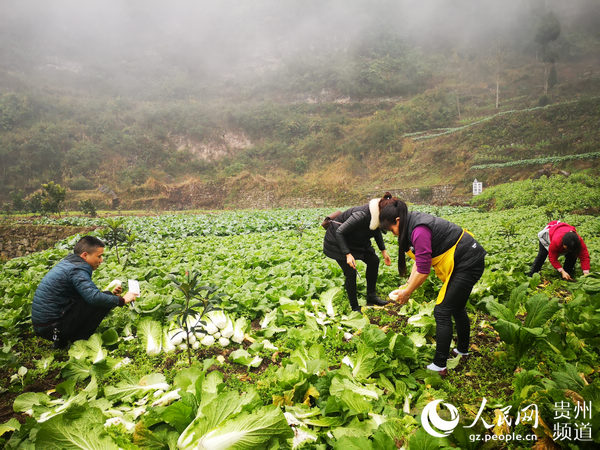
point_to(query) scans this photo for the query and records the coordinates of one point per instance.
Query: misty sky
(223, 36)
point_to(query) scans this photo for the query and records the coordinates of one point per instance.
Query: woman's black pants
(372, 261)
(462, 280)
(568, 266)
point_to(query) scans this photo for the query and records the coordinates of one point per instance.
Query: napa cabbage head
(152, 335)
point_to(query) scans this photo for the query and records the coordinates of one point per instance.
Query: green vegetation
(538, 161)
(336, 375)
(387, 108)
(556, 194)
(88, 207)
(296, 103)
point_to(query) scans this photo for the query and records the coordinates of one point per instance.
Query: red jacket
(557, 230)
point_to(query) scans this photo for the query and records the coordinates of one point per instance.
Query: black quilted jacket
(69, 281)
(350, 233)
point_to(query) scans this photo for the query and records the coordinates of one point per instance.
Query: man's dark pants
(78, 322)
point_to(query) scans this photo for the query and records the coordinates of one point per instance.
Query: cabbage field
(243, 338)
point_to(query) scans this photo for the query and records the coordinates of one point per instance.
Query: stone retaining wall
(21, 240)
(437, 195)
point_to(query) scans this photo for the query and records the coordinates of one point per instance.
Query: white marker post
(477, 187)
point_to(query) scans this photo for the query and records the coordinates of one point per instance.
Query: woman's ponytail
(390, 209)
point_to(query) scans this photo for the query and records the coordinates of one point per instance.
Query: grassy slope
(329, 152)
(371, 151)
(336, 170)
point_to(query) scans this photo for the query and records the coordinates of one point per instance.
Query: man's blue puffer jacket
(67, 282)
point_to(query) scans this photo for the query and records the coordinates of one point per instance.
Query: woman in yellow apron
(458, 260)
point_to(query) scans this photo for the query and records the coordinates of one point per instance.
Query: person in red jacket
(558, 238)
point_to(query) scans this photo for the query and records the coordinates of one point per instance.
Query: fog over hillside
(133, 42)
(142, 95)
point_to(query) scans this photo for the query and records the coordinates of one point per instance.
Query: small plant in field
(19, 376)
(300, 228)
(116, 234)
(520, 334)
(555, 210)
(197, 301)
(509, 230)
(130, 239)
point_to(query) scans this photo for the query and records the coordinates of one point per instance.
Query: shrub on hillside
(81, 184)
(88, 207)
(433, 109)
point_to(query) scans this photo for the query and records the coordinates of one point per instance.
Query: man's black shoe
(374, 300)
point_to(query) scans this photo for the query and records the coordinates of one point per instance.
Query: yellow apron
(443, 265)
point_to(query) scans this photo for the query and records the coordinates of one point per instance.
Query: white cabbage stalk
(227, 332)
(59, 410)
(348, 362)
(208, 340)
(255, 361)
(176, 336)
(218, 318)
(122, 363)
(291, 419)
(196, 345)
(302, 435)
(137, 412)
(210, 327)
(199, 335)
(113, 284)
(268, 345)
(406, 407)
(327, 300)
(182, 346)
(239, 330)
(100, 356)
(115, 421)
(167, 398)
(152, 332)
(269, 317)
(238, 337)
(243, 432)
(378, 419)
(192, 322)
(224, 342)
